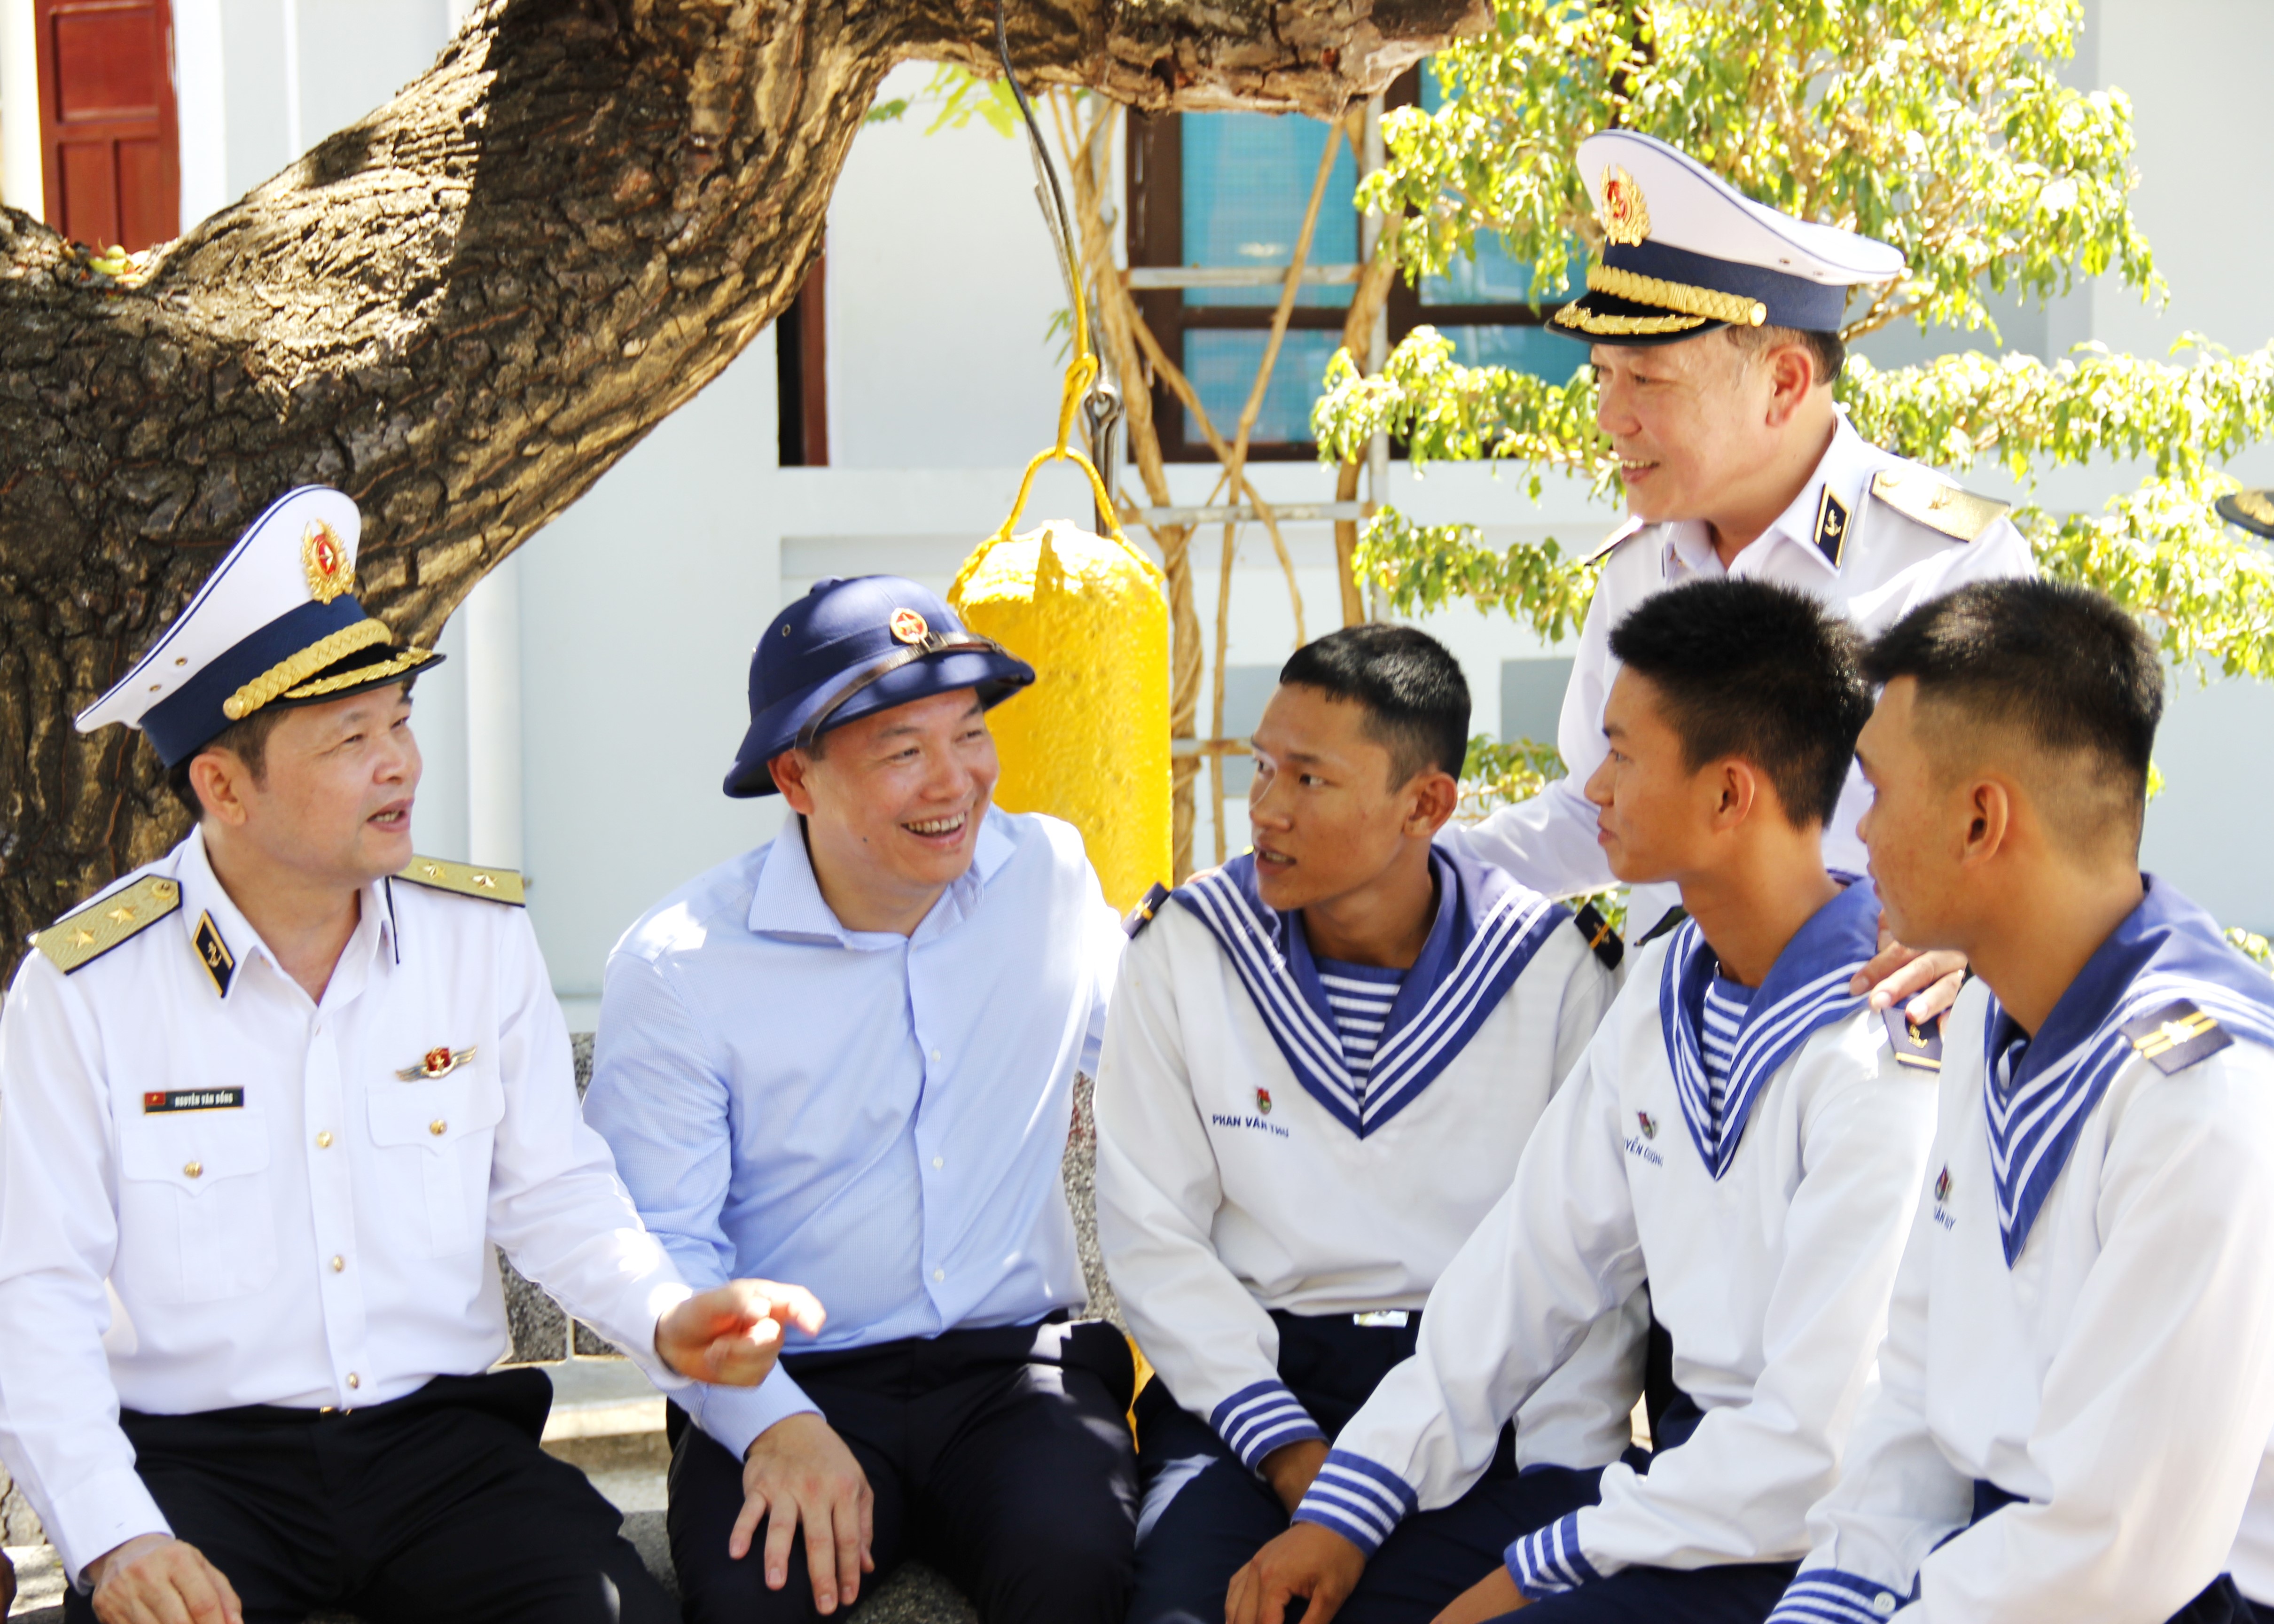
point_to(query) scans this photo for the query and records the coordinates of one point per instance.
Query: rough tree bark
(465, 308)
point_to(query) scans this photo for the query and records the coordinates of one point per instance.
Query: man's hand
(1290, 1468)
(1492, 1597)
(798, 1471)
(732, 1333)
(1930, 981)
(156, 1579)
(1305, 1561)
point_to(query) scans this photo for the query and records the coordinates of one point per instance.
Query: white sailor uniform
(1258, 1186)
(2077, 1389)
(215, 1193)
(1768, 1237)
(1871, 535)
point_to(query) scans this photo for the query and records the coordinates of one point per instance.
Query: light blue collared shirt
(879, 1118)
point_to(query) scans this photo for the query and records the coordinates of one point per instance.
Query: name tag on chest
(158, 1101)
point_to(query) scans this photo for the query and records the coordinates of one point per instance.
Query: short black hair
(1416, 699)
(1828, 352)
(246, 739)
(1760, 671)
(2064, 667)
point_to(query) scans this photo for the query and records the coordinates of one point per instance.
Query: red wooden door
(110, 148)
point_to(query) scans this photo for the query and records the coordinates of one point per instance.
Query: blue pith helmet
(849, 648)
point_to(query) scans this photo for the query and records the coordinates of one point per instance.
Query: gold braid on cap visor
(285, 677)
(1697, 306)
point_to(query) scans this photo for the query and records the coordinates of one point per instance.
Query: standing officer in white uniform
(268, 1107)
(1714, 324)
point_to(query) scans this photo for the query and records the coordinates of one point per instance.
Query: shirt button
(193, 1170)
(1884, 1603)
(939, 1274)
(940, 1161)
(438, 1127)
(354, 1380)
(324, 1139)
(935, 1057)
(338, 1263)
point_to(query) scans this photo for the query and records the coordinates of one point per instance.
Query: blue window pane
(1537, 350)
(1222, 366)
(1246, 180)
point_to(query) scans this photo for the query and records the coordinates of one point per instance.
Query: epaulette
(1604, 546)
(466, 880)
(1602, 940)
(1918, 1047)
(1936, 503)
(82, 937)
(1135, 921)
(2177, 1035)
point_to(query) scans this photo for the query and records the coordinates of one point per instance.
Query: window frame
(1153, 210)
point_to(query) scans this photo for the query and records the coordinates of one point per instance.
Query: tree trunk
(465, 308)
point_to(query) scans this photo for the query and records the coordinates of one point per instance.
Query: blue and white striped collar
(1486, 931)
(1806, 989)
(2166, 949)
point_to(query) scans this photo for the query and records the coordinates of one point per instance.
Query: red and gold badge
(326, 560)
(1624, 215)
(909, 627)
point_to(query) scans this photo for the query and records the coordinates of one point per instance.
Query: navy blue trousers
(1001, 1456)
(438, 1508)
(1205, 1514)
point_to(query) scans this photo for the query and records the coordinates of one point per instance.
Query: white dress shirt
(2115, 1379)
(1772, 1280)
(1226, 1189)
(1890, 564)
(325, 1241)
(880, 1118)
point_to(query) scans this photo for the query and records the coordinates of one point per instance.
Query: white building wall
(637, 609)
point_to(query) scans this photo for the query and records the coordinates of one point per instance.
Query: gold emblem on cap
(326, 560)
(1625, 217)
(909, 627)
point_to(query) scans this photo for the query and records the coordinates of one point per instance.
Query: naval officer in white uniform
(1324, 1061)
(2075, 1412)
(271, 1100)
(1713, 325)
(1743, 1136)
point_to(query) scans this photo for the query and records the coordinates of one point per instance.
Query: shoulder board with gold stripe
(1936, 503)
(466, 880)
(82, 937)
(2175, 1036)
(1604, 547)
(1917, 1047)
(1135, 921)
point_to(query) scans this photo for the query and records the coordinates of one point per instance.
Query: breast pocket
(435, 1138)
(196, 1222)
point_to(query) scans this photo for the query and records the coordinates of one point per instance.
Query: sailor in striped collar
(1740, 1137)
(2077, 1389)
(1322, 1062)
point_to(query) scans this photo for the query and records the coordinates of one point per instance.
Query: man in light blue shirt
(848, 1055)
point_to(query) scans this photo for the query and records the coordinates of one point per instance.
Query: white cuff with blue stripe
(1828, 1596)
(1260, 1418)
(1547, 1561)
(1353, 1497)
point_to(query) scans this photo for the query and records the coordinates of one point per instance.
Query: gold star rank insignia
(490, 883)
(78, 939)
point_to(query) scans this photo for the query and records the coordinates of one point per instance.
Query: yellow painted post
(1089, 742)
